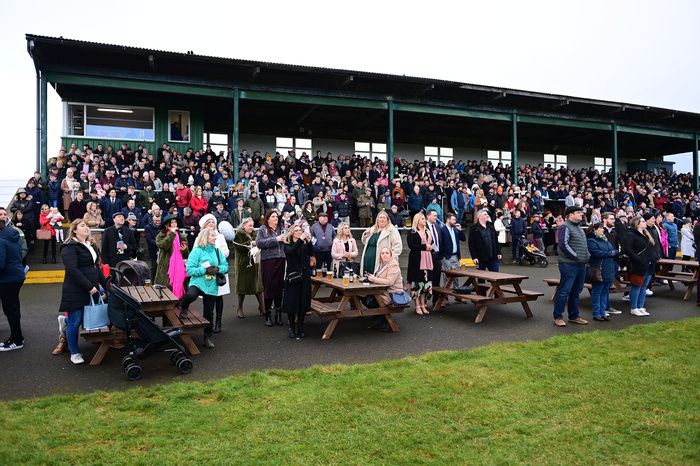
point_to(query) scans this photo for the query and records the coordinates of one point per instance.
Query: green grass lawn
(626, 397)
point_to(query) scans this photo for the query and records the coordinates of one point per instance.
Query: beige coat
(389, 237)
(389, 275)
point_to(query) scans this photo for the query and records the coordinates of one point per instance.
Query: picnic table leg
(189, 344)
(554, 295)
(438, 304)
(526, 306)
(689, 289)
(330, 328)
(480, 315)
(100, 354)
(392, 323)
(314, 290)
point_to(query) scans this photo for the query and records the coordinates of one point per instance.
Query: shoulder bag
(220, 277)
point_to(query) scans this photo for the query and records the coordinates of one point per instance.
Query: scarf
(176, 269)
(426, 258)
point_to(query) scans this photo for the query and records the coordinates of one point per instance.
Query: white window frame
(67, 125)
(604, 166)
(559, 160)
(440, 155)
(206, 140)
(282, 149)
(499, 156)
(371, 152)
(189, 127)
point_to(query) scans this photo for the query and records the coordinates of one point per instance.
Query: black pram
(126, 314)
(132, 273)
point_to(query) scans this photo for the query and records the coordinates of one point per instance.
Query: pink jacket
(338, 251)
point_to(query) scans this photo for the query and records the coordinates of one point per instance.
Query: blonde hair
(414, 222)
(203, 238)
(71, 231)
(290, 233)
(634, 223)
(340, 229)
(376, 220)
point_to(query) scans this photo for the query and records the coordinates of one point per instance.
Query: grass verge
(625, 397)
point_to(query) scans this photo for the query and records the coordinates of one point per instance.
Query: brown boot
(61, 347)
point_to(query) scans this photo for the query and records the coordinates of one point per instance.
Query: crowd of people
(291, 215)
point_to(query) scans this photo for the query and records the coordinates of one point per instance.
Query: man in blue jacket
(518, 228)
(450, 236)
(669, 224)
(11, 280)
(459, 203)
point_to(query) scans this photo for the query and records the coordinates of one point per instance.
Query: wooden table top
(487, 275)
(337, 283)
(691, 264)
(144, 294)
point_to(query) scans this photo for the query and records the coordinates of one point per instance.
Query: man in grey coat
(323, 234)
(572, 267)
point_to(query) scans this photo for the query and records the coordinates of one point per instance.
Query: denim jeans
(450, 264)
(672, 250)
(73, 322)
(570, 286)
(599, 297)
(638, 294)
(491, 265)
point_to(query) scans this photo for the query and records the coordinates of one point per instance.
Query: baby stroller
(125, 313)
(132, 273)
(530, 254)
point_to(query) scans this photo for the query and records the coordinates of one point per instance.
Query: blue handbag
(400, 298)
(95, 314)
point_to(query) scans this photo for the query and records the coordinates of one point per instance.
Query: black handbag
(220, 277)
(348, 266)
(594, 275)
(294, 278)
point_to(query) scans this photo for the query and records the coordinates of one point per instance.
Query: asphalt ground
(246, 344)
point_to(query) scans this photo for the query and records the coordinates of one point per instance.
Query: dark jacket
(518, 228)
(479, 239)
(641, 253)
(109, 245)
(603, 255)
(446, 242)
(11, 268)
(297, 296)
(82, 274)
(108, 209)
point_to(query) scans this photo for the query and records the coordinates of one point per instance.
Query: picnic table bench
(616, 287)
(689, 279)
(348, 302)
(489, 288)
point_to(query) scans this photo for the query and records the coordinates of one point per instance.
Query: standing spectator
(669, 225)
(459, 203)
(518, 229)
(23, 202)
(53, 190)
(483, 243)
(344, 247)
(323, 235)
(434, 225)
(118, 242)
(209, 221)
(603, 255)
(239, 213)
(696, 237)
(203, 263)
(572, 267)
(687, 242)
(11, 280)
(167, 241)
(639, 245)
(77, 208)
(190, 222)
(381, 235)
(46, 224)
(198, 203)
(420, 262)
(151, 231)
(183, 195)
(69, 185)
(342, 208)
(365, 204)
(110, 206)
(247, 271)
(93, 218)
(612, 236)
(270, 241)
(297, 281)
(83, 279)
(220, 214)
(257, 208)
(538, 232)
(500, 228)
(451, 235)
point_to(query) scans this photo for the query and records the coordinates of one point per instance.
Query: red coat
(198, 205)
(182, 197)
(46, 223)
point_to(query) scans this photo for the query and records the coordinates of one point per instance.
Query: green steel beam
(536, 120)
(449, 111)
(64, 78)
(42, 125)
(655, 132)
(390, 140)
(291, 98)
(614, 154)
(696, 163)
(514, 149)
(236, 135)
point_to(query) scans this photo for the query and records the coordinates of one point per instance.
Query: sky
(641, 52)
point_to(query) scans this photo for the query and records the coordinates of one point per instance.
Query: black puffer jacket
(82, 274)
(640, 251)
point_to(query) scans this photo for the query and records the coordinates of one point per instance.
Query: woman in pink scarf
(172, 251)
(420, 263)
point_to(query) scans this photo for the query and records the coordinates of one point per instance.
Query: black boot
(217, 322)
(291, 332)
(44, 260)
(268, 319)
(300, 327)
(53, 259)
(278, 317)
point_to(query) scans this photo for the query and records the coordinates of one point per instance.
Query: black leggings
(277, 301)
(53, 247)
(209, 301)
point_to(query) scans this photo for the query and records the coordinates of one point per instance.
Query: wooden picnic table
(344, 303)
(617, 286)
(490, 288)
(690, 279)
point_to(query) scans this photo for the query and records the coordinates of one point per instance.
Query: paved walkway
(246, 344)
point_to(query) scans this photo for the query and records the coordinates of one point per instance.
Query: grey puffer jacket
(266, 240)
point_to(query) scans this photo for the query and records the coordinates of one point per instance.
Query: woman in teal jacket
(203, 263)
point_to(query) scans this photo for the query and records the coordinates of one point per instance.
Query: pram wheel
(127, 361)
(184, 365)
(175, 356)
(133, 372)
(544, 263)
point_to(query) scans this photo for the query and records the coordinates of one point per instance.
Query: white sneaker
(643, 310)
(77, 358)
(649, 292)
(607, 315)
(613, 311)
(637, 312)
(626, 297)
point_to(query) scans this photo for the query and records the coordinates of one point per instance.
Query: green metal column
(614, 154)
(514, 149)
(390, 140)
(696, 164)
(42, 125)
(236, 148)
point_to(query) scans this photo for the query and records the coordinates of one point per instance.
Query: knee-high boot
(217, 321)
(300, 326)
(291, 331)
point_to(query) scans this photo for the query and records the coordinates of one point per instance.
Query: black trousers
(323, 259)
(436, 274)
(53, 247)
(9, 297)
(209, 301)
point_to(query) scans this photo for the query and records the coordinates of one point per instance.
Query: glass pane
(217, 148)
(204, 138)
(179, 125)
(505, 155)
(377, 147)
(429, 158)
(562, 165)
(493, 154)
(608, 161)
(119, 123)
(285, 142)
(562, 159)
(549, 157)
(361, 147)
(600, 168)
(76, 120)
(430, 150)
(446, 151)
(363, 154)
(218, 138)
(303, 143)
(379, 155)
(445, 159)
(285, 150)
(598, 160)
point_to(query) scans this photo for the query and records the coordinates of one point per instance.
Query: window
(109, 122)
(602, 164)
(556, 160)
(218, 142)
(179, 121)
(498, 156)
(371, 150)
(439, 154)
(299, 145)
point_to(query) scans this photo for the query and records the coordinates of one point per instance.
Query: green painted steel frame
(696, 163)
(614, 154)
(390, 139)
(43, 88)
(514, 148)
(236, 134)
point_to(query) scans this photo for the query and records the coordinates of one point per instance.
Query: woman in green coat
(164, 242)
(247, 271)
